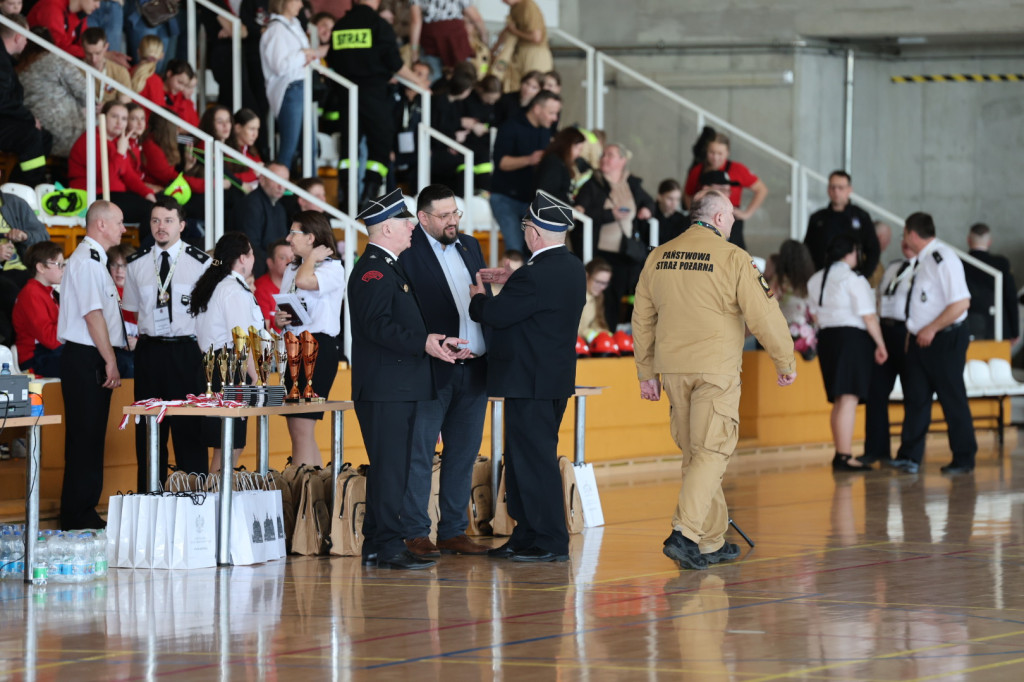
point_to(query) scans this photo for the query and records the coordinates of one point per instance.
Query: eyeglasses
(62, 264)
(525, 224)
(296, 232)
(445, 216)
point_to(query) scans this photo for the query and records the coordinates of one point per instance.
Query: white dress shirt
(892, 291)
(281, 47)
(847, 297)
(323, 304)
(141, 286)
(85, 287)
(938, 280)
(457, 275)
(231, 305)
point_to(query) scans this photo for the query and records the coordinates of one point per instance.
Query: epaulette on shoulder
(937, 256)
(95, 255)
(197, 253)
(138, 254)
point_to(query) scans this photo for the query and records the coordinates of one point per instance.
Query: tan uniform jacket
(694, 295)
(119, 74)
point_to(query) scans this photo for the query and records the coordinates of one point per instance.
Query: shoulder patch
(138, 254)
(95, 255)
(764, 285)
(937, 256)
(371, 275)
(196, 253)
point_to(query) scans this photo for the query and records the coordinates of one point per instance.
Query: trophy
(256, 351)
(278, 352)
(229, 354)
(267, 348)
(208, 362)
(292, 350)
(239, 337)
(310, 349)
(222, 365)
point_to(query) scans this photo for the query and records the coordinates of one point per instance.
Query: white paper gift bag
(126, 532)
(195, 532)
(586, 484)
(144, 531)
(163, 532)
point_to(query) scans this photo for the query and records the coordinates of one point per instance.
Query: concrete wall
(950, 149)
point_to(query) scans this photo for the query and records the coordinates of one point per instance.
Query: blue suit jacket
(437, 304)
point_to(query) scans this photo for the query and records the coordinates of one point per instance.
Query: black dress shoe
(405, 560)
(845, 463)
(537, 555)
(905, 465)
(370, 559)
(956, 469)
(502, 552)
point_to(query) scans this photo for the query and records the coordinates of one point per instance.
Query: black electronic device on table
(14, 400)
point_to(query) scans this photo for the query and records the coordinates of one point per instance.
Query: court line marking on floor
(577, 632)
(975, 669)
(894, 655)
(60, 664)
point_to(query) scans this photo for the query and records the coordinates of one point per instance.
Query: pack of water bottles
(76, 556)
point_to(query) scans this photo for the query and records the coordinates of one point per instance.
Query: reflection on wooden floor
(877, 577)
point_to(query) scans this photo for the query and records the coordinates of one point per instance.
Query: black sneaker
(684, 551)
(726, 552)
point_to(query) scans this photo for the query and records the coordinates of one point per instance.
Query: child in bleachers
(151, 52)
(35, 311)
(170, 92)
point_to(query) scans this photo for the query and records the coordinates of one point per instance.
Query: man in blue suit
(532, 364)
(441, 265)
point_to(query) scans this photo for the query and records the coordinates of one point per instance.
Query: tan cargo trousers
(705, 426)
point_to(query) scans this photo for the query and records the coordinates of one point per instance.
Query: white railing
(352, 190)
(236, 46)
(91, 76)
(591, 84)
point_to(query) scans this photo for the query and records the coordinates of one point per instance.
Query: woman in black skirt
(849, 334)
(317, 277)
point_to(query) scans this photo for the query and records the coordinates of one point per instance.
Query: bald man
(90, 326)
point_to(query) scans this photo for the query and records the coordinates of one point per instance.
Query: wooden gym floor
(881, 576)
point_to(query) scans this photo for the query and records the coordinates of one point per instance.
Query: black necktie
(165, 268)
(896, 280)
(910, 291)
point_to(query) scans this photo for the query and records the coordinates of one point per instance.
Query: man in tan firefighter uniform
(695, 294)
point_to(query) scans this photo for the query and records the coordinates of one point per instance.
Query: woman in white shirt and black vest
(317, 278)
(849, 334)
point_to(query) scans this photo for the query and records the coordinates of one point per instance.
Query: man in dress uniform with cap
(364, 50)
(168, 363)
(936, 312)
(695, 294)
(532, 365)
(391, 375)
(442, 264)
(892, 303)
(90, 326)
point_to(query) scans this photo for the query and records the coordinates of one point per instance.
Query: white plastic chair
(23, 192)
(897, 391)
(1002, 376)
(6, 355)
(980, 378)
(328, 157)
(482, 216)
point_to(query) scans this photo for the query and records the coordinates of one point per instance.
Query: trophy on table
(293, 349)
(256, 352)
(278, 352)
(209, 359)
(237, 363)
(222, 366)
(310, 350)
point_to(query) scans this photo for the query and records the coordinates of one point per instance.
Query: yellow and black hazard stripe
(961, 78)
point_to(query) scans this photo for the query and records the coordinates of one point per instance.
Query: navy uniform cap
(548, 213)
(391, 205)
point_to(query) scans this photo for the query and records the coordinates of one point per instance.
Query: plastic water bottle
(100, 552)
(6, 369)
(81, 561)
(60, 559)
(18, 554)
(6, 560)
(40, 564)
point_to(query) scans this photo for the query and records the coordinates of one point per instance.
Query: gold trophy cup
(209, 360)
(222, 366)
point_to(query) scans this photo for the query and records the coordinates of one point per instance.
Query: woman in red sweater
(127, 188)
(170, 92)
(35, 312)
(244, 134)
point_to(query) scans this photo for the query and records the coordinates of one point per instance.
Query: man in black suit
(980, 320)
(263, 218)
(532, 364)
(441, 265)
(842, 216)
(391, 376)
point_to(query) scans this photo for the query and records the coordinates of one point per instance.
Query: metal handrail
(423, 138)
(590, 53)
(351, 226)
(91, 75)
(236, 45)
(353, 128)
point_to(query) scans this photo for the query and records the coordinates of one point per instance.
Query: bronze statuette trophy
(310, 350)
(293, 349)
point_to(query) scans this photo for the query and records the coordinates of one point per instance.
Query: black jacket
(263, 223)
(981, 286)
(389, 336)
(825, 224)
(532, 353)
(553, 177)
(437, 305)
(12, 97)
(592, 197)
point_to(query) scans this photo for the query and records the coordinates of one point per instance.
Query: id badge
(162, 320)
(406, 142)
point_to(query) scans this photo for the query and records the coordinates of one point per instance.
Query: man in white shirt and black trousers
(936, 311)
(168, 363)
(90, 326)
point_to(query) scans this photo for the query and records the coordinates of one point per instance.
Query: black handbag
(156, 12)
(632, 248)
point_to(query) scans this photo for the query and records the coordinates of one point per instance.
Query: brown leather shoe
(422, 547)
(460, 544)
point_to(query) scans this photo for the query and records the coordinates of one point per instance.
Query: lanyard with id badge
(162, 313)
